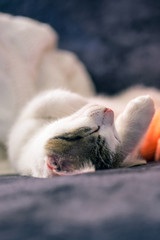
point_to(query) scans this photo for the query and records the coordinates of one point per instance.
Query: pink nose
(107, 110)
(108, 116)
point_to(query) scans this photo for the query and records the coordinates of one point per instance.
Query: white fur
(55, 112)
(31, 63)
(47, 116)
(133, 122)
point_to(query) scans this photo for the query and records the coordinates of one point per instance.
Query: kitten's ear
(133, 123)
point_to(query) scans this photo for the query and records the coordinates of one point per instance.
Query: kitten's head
(86, 141)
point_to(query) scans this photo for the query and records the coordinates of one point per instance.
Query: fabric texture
(111, 204)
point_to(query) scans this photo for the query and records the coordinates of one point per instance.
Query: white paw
(142, 106)
(133, 123)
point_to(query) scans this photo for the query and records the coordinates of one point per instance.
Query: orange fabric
(150, 147)
(157, 154)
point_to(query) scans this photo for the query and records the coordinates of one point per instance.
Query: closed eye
(74, 136)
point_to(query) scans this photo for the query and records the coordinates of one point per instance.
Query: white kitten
(62, 133)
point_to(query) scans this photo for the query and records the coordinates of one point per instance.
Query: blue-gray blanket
(110, 205)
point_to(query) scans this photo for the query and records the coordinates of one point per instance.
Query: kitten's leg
(53, 105)
(132, 124)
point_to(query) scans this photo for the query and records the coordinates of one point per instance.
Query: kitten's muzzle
(102, 116)
(108, 116)
(98, 114)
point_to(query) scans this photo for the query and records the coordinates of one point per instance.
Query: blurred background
(117, 40)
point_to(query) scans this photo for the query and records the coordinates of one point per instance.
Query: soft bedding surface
(111, 204)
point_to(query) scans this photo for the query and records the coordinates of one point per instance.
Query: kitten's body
(61, 133)
(76, 133)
